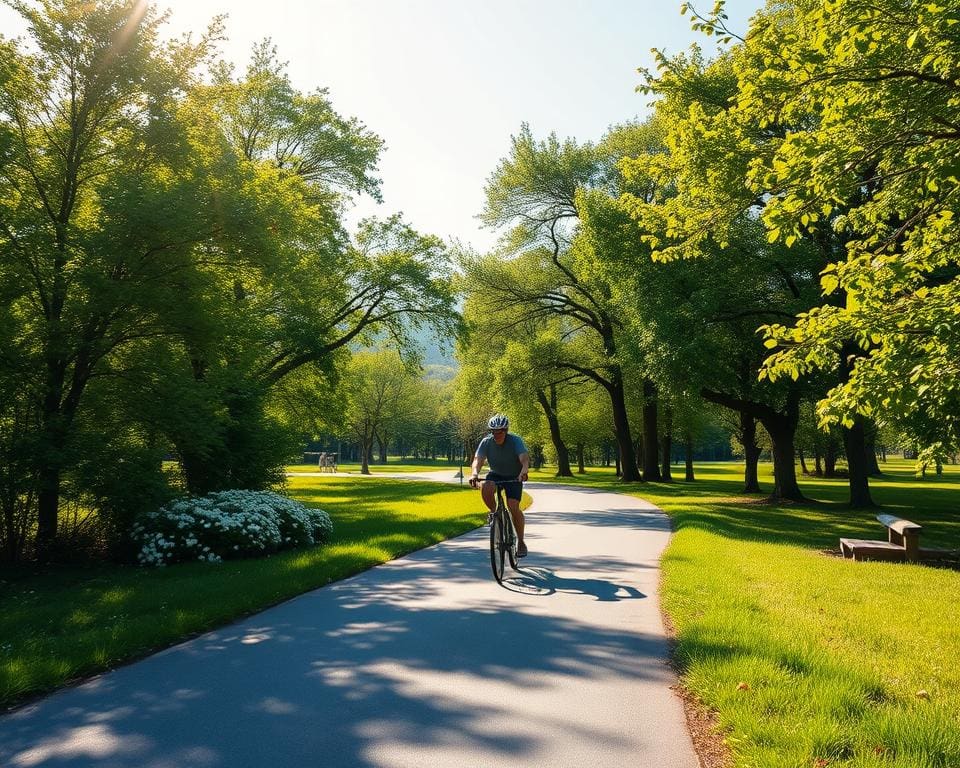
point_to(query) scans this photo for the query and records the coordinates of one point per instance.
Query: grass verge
(808, 659)
(58, 625)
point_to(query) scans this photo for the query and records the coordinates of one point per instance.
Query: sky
(446, 83)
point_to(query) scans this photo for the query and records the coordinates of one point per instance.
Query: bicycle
(503, 535)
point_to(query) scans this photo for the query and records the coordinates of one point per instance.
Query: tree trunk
(581, 469)
(817, 465)
(536, 456)
(366, 452)
(549, 406)
(621, 428)
(666, 446)
(48, 509)
(830, 458)
(870, 445)
(382, 449)
(784, 466)
(52, 437)
(782, 428)
(854, 440)
(651, 467)
(688, 445)
(803, 462)
(751, 453)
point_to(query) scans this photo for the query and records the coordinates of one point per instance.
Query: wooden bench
(903, 542)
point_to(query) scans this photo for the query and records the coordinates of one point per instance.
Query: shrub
(227, 525)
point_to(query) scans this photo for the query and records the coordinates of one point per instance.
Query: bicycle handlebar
(481, 480)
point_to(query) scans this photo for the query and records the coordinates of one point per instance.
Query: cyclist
(509, 465)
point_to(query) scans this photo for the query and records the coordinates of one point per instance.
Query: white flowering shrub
(227, 525)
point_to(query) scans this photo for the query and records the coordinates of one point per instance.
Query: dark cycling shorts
(513, 490)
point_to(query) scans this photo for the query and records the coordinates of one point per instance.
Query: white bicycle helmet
(498, 421)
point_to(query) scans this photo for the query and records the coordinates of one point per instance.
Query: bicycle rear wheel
(497, 549)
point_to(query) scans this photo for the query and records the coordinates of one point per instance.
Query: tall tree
(534, 190)
(883, 151)
(313, 292)
(711, 212)
(103, 201)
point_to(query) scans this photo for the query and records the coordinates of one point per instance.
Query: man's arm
(524, 466)
(475, 469)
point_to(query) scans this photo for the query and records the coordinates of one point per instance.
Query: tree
(269, 121)
(535, 190)
(103, 200)
(179, 237)
(380, 392)
(713, 209)
(586, 418)
(520, 368)
(313, 292)
(884, 153)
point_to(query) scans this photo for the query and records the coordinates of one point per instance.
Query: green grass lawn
(61, 624)
(808, 659)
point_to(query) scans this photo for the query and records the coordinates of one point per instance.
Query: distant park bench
(903, 543)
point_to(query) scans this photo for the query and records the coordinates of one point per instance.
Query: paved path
(422, 662)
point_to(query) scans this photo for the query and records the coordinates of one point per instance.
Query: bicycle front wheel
(497, 548)
(510, 542)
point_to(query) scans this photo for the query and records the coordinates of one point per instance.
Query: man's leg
(489, 492)
(518, 520)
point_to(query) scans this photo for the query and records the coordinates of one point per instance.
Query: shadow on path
(543, 581)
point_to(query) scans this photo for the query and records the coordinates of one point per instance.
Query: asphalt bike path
(424, 661)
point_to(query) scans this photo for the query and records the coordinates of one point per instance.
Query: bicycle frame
(503, 536)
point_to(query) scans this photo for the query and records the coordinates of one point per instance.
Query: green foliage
(381, 396)
(542, 283)
(103, 201)
(179, 233)
(268, 120)
(535, 186)
(845, 118)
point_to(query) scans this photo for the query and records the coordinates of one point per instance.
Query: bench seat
(866, 549)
